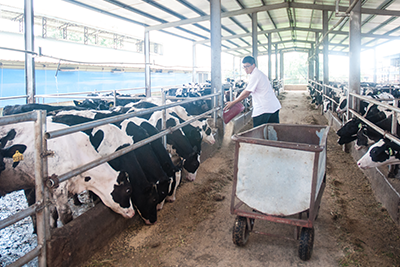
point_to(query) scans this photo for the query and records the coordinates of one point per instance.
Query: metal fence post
(39, 187)
(164, 117)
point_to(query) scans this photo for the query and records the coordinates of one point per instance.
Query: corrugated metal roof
(292, 24)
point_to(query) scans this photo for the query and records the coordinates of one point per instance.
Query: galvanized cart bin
(279, 175)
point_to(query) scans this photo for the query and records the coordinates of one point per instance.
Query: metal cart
(279, 175)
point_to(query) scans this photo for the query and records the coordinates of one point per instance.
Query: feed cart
(279, 175)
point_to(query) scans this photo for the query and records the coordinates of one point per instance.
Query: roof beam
(223, 15)
(394, 13)
(365, 35)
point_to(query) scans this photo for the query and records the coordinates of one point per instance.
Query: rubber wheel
(306, 243)
(240, 232)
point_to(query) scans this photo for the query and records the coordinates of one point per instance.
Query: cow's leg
(393, 171)
(31, 199)
(172, 197)
(61, 199)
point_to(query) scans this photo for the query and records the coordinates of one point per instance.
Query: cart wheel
(241, 231)
(306, 243)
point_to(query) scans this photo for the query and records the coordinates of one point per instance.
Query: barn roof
(293, 24)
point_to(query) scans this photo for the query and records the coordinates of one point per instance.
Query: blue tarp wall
(12, 82)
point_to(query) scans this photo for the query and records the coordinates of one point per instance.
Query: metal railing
(40, 208)
(391, 136)
(41, 172)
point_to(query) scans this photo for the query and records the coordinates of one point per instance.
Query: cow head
(350, 128)
(384, 152)
(145, 200)
(122, 190)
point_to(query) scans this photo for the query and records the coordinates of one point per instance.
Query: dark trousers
(266, 118)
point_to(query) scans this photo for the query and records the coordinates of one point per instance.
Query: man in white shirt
(265, 103)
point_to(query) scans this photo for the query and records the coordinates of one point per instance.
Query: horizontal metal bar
(90, 125)
(28, 116)
(27, 257)
(19, 50)
(104, 91)
(13, 97)
(18, 216)
(125, 150)
(371, 100)
(376, 128)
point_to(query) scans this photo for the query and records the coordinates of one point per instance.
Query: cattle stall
(65, 241)
(387, 192)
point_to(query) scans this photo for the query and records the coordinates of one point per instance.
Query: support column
(375, 67)
(269, 56)
(276, 61)
(282, 65)
(215, 19)
(311, 63)
(316, 57)
(147, 62)
(254, 36)
(30, 87)
(354, 51)
(194, 78)
(326, 46)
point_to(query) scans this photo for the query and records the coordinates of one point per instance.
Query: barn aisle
(352, 228)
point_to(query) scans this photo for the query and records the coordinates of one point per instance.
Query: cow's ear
(9, 152)
(122, 177)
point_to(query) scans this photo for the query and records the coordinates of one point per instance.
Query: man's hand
(228, 105)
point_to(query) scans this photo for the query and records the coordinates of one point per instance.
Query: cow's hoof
(170, 200)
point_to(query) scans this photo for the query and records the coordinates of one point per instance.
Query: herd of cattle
(382, 151)
(139, 180)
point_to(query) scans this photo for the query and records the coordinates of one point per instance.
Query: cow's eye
(128, 190)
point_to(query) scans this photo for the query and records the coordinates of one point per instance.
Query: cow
(67, 153)
(356, 128)
(17, 109)
(383, 152)
(15, 152)
(107, 138)
(180, 144)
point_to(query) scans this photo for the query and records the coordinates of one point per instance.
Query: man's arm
(243, 95)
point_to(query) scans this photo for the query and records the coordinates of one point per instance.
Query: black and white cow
(179, 144)
(108, 138)
(355, 129)
(17, 109)
(383, 152)
(68, 152)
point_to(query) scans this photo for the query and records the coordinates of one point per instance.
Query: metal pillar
(147, 64)
(29, 46)
(276, 61)
(375, 68)
(326, 46)
(354, 51)
(194, 80)
(282, 65)
(311, 63)
(215, 20)
(316, 57)
(254, 35)
(269, 56)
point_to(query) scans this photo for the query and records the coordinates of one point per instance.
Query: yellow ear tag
(359, 125)
(17, 157)
(390, 151)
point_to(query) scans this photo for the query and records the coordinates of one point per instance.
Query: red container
(232, 112)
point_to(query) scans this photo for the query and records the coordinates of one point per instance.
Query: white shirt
(263, 96)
